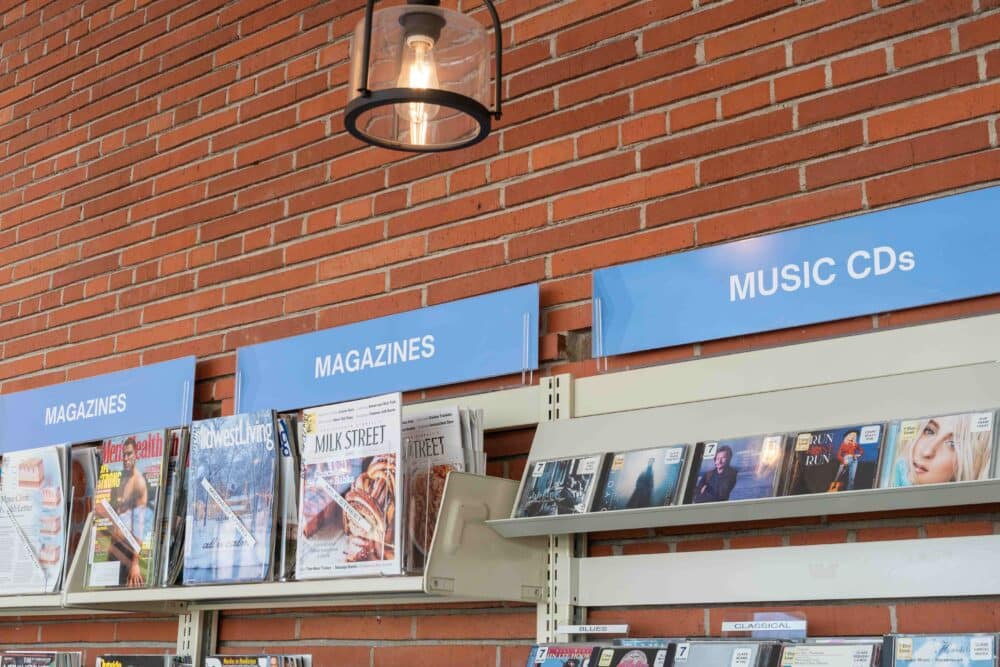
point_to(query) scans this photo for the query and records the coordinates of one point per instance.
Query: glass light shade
(428, 80)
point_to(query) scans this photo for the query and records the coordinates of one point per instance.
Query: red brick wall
(175, 179)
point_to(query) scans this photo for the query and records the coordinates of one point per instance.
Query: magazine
(349, 519)
(33, 519)
(124, 545)
(83, 480)
(172, 525)
(230, 517)
(434, 447)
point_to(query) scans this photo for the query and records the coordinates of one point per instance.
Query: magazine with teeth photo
(33, 519)
(350, 513)
(230, 517)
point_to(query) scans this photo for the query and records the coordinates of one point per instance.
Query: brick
(909, 17)
(379, 627)
(983, 30)
(710, 77)
(631, 191)
(446, 654)
(783, 25)
(236, 628)
(746, 99)
(371, 257)
(561, 16)
(243, 314)
(959, 528)
(709, 19)
(451, 210)
(156, 290)
(922, 48)
(572, 318)
(618, 22)
(980, 167)
(552, 154)
(328, 293)
(951, 108)
(562, 123)
(709, 140)
(755, 541)
(615, 79)
(574, 177)
(261, 333)
(445, 266)
(937, 312)
(887, 533)
(626, 249)
(270, 284)
(195, 303)
(239, 268)
(823, 620)
(517, 624)
(160, 333)
(781, 213)
(390, 304)
(899, 155)
(783, 151)
(435, 163)
(569, 235)
(890, 90)
(943, 616)
(572, 67)
(722, 197)
(491, 280)
(818, 537)
(858, 67)
(643, 128)
(800, 83)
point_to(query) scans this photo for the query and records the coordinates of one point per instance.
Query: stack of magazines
(907, 452)
(40, 659)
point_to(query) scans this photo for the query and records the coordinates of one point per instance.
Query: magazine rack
(461, 548)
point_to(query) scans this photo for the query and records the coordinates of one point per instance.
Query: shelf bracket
(556, 397)
(197, 634)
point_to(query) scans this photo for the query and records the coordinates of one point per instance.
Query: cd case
(558, 486)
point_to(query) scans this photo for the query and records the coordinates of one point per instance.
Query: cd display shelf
(927, 369)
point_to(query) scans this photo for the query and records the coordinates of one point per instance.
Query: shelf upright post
(197, 633)
(557, 403)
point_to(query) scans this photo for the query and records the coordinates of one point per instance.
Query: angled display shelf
(31, 605)
(940, 368)
(462, 549)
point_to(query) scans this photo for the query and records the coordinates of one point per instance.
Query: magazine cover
(831, 654)
(288, 500)
(33, 520)
(572, 655)
(135, 661)
(643, 478)
(349, 519)
(839, 459)
(941, 448)
(229, 524)
(82, 480)
(951, 650)
(433, 446)
(172, 523)
(558, 486)
(127, 501)
(736, 469)
(632, 657)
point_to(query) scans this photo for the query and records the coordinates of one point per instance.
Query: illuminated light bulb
(419, 71)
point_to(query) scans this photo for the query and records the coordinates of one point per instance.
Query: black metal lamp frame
(369, 99)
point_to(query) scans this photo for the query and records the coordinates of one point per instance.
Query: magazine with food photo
(349, 513)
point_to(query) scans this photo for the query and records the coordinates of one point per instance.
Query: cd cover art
(558, 486)
(229, 524)
(950, 650)
(736, 469)
(938, 449)
(125, 539)
(349, 518)
(712, 653)
(632, 657)
(642, 478)
(135, 661)
(548, 655)
(831, 654)
(839, 459)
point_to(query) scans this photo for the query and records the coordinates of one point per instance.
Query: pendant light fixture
(420, 77)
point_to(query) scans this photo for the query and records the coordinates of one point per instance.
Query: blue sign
(486, 336)
(931, 252)
(138, 399)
